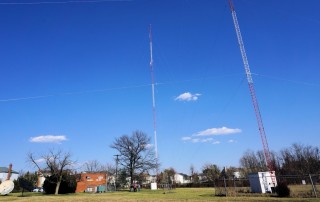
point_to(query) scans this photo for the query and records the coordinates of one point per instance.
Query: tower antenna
(252, 91)
(153, 101)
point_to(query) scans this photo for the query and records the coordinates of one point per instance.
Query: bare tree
(194, 174)
(56, 162)
(110, 169)
(93, 166)
(300, 159)
(136, 156)
(253, 162)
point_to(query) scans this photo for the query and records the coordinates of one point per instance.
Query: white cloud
(202, 136)
(40, 160)
(48, 139)
(149, 146)
(186, 138)
(207, 140)
(217, 131)
(197, 140)
(187, 97)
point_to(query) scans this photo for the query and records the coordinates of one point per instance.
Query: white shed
(263, 182)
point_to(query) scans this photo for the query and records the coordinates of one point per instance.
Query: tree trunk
(131, 176)
(58, 185)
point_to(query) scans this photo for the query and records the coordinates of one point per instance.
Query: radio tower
(252, 91)
(153, 102)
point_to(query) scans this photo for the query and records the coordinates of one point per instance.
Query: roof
(184, 175)
(6, 170)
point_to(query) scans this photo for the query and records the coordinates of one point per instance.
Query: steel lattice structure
(252, 91)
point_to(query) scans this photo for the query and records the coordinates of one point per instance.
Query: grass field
(181, 194)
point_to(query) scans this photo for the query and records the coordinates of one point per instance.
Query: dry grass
(302, 191)
(181, 194)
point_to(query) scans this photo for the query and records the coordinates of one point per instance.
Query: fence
(301, 186)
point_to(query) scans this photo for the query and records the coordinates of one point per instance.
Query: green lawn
(181, 194)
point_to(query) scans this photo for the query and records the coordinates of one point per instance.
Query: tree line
(298, 159)
(136, 158)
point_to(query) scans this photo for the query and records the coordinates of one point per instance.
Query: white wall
(262, 182)
(179, 179)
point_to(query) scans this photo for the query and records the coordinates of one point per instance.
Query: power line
(107, 89)
(72, 93)
(147, 85)
(61, 2)
(287, 80)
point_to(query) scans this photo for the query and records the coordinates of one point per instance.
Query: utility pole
(117, 160)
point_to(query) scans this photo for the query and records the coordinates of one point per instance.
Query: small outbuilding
(263, 182)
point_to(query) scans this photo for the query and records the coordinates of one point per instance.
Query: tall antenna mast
(252, 91)
(153, 101)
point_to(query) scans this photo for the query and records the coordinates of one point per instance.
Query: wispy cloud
(204, 136)
(197, 140)
(48, 139)
(187, 96)
(232, 141)
(41, 160)
(217, 131)
(186, 138)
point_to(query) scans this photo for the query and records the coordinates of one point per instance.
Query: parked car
(37, 189)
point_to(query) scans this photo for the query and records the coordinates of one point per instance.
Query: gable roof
(6, 170)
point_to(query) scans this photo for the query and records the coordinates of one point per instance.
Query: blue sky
(78, 74)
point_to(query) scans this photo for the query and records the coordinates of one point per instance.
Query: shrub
(283, 190)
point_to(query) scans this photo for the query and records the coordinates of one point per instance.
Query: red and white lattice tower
(252, 91)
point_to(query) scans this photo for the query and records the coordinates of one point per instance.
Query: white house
(150, 178)
(181, 178)
(4, 174)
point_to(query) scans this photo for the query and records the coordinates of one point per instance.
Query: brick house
(89, 182)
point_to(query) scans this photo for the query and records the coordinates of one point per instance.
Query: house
(181, 178)
(90, 182)
(149, 179)
(4, 174)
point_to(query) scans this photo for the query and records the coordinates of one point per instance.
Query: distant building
(149, 179)
(89, 182)
(4, 174)
(237, 174)
(181, 178)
